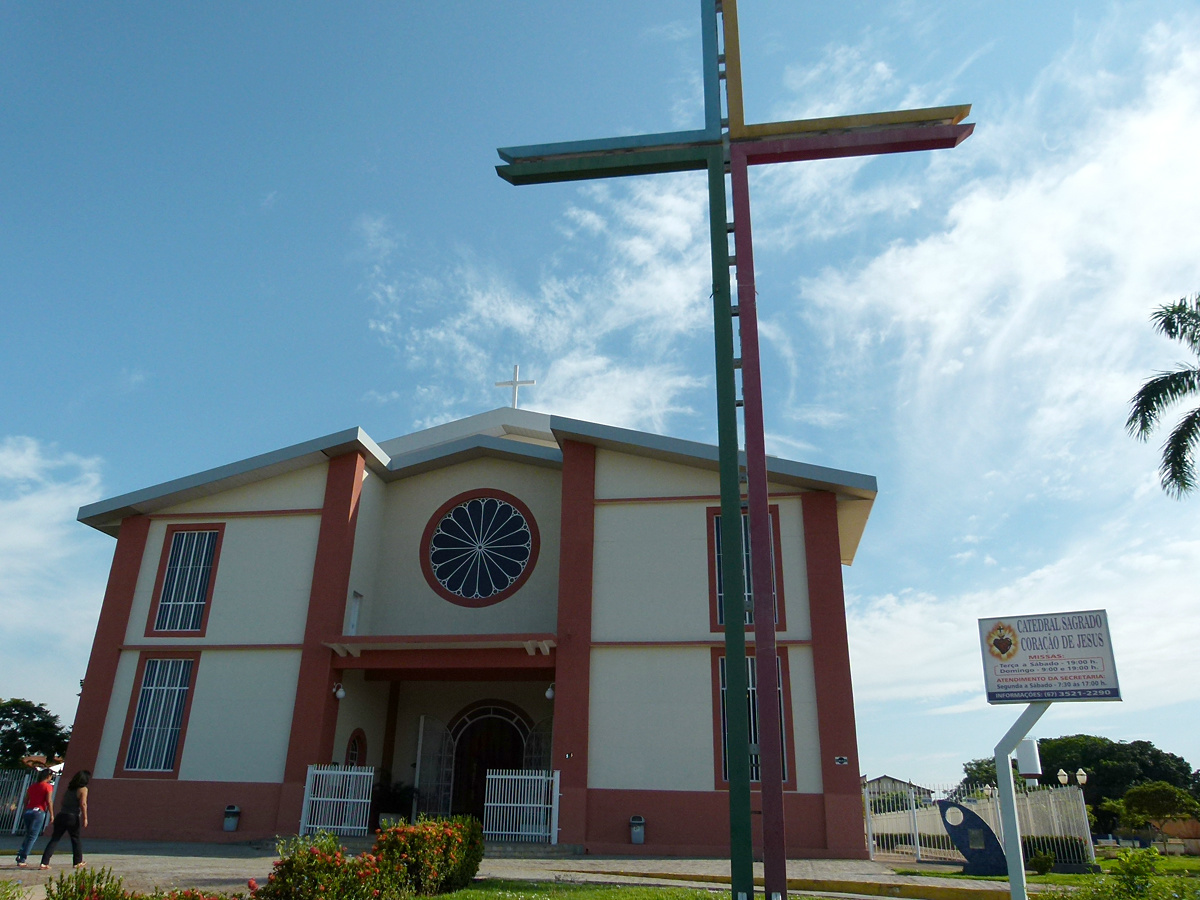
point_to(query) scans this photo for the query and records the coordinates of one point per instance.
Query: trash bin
(637, 830)
(232, 814)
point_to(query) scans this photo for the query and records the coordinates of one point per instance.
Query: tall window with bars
(186, 579)
(752, 711)
(716, 576)
(158, 719)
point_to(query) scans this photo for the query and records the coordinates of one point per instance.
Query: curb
(906, 891)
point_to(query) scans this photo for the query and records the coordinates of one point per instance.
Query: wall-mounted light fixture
(550, 691)
(339, 692)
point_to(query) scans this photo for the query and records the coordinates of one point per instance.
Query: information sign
(1050, 656)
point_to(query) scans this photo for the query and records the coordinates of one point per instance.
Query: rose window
(479, 548)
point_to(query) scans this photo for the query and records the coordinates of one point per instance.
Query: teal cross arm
(644, 154)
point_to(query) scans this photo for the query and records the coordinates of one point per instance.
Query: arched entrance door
(486, 743)
(487, 735)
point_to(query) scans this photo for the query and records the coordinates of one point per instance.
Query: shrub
(101, 884)
(1064, 848)
(86, 884)
(1134, 878)
(434, 856)
(1041, 863)
(11, 890)
(317, 868)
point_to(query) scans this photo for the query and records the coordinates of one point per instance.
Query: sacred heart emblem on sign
(1002, 642)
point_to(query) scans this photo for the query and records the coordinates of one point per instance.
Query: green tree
(29, 729)
(1179, 321)
(1112, 814)
(1112, 767)
(1160, 803)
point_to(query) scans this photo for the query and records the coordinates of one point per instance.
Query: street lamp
(1081, 777)
(1063, 777)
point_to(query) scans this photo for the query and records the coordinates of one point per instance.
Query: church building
(514, 589)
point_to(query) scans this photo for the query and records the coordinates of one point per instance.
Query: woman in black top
(70, 819)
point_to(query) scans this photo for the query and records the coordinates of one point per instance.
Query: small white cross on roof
(514, 384)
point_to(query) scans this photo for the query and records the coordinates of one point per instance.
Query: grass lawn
(493, 889)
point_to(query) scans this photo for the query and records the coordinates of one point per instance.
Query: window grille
(185, 585)
(154, 740)
(747, 574)
(752, 712)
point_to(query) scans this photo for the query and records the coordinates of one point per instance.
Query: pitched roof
(504, 433)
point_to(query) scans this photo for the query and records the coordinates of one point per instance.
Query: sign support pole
(1008, 796)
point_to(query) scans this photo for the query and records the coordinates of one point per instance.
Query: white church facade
(343, 601)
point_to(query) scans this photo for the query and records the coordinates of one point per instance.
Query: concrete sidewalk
(227, 867)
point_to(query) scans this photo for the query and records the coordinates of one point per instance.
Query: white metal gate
(13, 785)
(337, 799)
(903, 820)
(521, 805)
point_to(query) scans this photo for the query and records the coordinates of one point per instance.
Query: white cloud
(621, 316)
(1144, 578)
(1004, 348)
(52, 571)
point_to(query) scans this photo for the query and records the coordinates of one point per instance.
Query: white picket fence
(337, 799)
(521, 805)
(907, 822)
(13, 785)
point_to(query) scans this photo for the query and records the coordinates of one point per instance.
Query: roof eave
(106, 515)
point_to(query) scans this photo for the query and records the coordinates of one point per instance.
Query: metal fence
(521, 805)
(13, 785)
(904, 820)
(337, 799)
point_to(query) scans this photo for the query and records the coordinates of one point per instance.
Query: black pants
(68, 823)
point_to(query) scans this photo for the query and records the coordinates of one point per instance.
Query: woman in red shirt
(37, 811)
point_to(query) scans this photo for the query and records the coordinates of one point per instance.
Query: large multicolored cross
(727, 144)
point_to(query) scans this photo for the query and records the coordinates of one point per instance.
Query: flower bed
(432, 857)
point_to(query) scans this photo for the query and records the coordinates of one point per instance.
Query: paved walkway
(227, 867)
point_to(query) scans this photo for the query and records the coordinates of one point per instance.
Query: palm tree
(1179, 321)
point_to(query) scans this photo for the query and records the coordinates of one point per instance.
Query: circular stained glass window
(479, 548)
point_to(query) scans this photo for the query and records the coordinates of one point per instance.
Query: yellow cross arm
(936, 115)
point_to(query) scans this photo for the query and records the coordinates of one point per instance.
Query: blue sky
(228, 228)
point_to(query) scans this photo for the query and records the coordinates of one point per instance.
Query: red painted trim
(831, 665)
(686, 498)
(696, 824)
(361, 736)
(868, 142)
(545, 675)
(678, 823)
(197, 645)
(789, 731)
(110, 634)
(711, 642)
(572, 689)
(443, 510)
(135, 694)
(314, 714)
(237, 514)
(164, 558)
(147, 810)
(714, 625)
(477, 658)
(473, 638)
